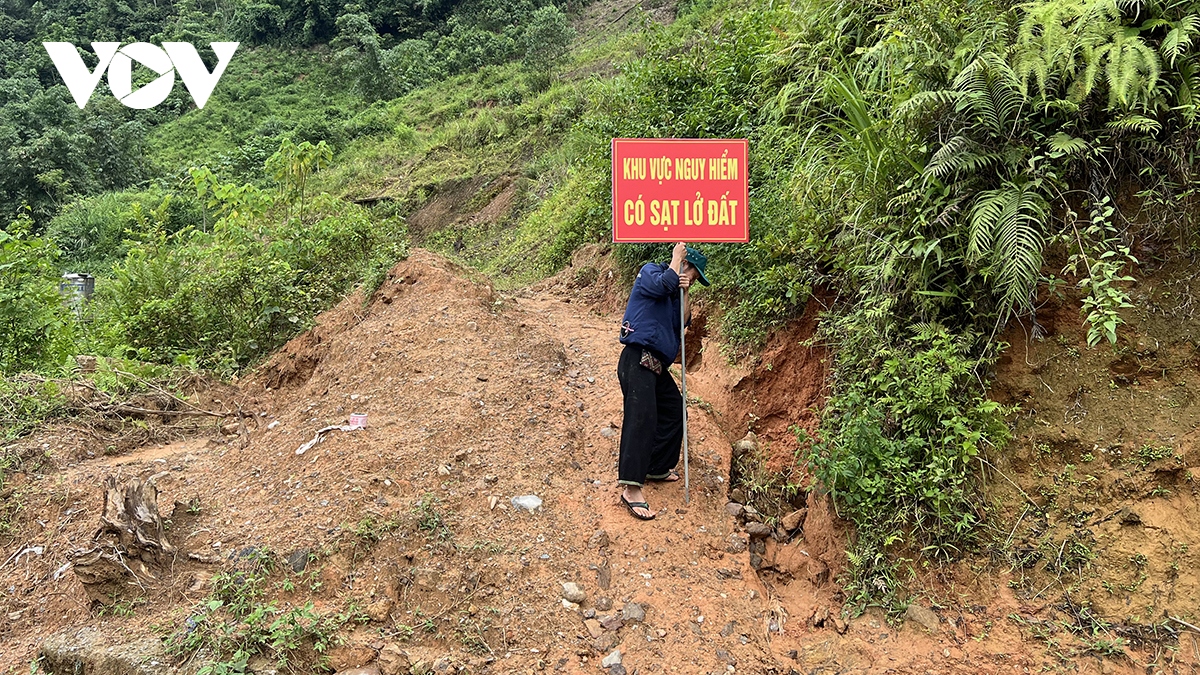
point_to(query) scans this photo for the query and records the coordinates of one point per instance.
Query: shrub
(900, 433)
(36, 328)
(91, 233)
(229, 296)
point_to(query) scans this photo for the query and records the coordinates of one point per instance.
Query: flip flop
(637, 505)
(672, 477)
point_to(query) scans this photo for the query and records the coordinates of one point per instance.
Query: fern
(1078, 44)
(1178, 39)
(1006, 235)
(1137, 123)
(1063, 144)
(991, 93)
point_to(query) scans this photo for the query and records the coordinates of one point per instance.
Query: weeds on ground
(1148, 454)
(238, 622)
(431, 518)
(11, 501)
(372, 529)
(770, 492)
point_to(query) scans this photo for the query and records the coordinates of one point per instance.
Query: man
(652, 430)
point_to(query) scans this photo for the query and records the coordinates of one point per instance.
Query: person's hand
(679, 252)
(685, 280)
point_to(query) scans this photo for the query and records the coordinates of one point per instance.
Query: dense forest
(937, 167)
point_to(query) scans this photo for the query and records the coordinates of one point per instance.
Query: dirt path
(473, 399)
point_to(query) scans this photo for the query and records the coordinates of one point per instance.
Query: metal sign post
(687, 497)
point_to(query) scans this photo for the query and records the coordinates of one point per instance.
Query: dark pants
(652, 430)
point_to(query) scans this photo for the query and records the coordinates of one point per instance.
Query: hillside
(961, 333)
(410, 548)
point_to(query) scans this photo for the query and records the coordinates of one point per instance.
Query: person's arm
(678, 255)
(659, 283)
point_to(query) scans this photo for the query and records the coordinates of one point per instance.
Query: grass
(431, 518)
(371, 529)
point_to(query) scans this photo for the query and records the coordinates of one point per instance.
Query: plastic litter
(321, 436)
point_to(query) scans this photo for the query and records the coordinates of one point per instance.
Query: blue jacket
(651, 318)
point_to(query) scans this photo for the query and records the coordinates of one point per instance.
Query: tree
(546, 38)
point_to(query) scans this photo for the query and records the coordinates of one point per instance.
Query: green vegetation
(431, 518)
(1148, 454)
(237, 623)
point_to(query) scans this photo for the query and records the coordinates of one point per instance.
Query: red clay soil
(1098, 489)
(475, 398)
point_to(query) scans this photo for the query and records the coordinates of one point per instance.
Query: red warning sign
(677, 189)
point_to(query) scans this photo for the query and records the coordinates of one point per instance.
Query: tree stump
(131, 535)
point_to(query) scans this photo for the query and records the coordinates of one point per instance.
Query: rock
(573, 592)
(724, 657)
(379, 612)
(603, 604)
(606, 642)
(633, 612)
(608, 432)
(794, 520)
(527, 502)
(599, 539)
(840, 626)
(613, 623)
(734, 509)
(751, 513)
(572, 606)
(1127, 516)
(747, 445)
(617, 669)
(348, 656)
(728, 629)
(593, 628)
(444, 470)
(472, 326)
(299, 560)
(83, 650)
(589, 613)
(756, 561)
(613, 659)
(758, 530)
(393, 660)
(922, 615)
(737, 543)
(85, 364)
(737, 495)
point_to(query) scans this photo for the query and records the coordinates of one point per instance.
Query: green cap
(699, 261)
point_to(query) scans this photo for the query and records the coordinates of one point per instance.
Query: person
(652, 428)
